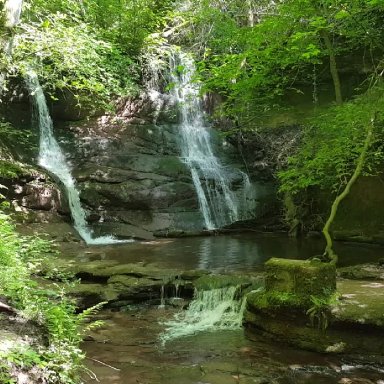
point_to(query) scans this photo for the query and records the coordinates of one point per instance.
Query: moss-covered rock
(87, 295)
(298, 305)
(208, 282)
(295, 281)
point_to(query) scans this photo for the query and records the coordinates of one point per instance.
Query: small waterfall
(219, 204)
(162, 296)
(52, 158)
(12, 11)
(210, 310)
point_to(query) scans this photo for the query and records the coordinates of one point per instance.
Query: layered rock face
(129, 173)
(131, 179)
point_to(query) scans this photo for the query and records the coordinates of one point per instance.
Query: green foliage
(11, 137)
(67, 54)
(10, 169)
(88, 48)
(320, 310)
(254, 63)
(61, 360)
(127, 23)
(341, 131)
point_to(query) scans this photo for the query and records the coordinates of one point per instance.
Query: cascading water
(12, 11)
(52, 158)
(210, 310)
(219, 204)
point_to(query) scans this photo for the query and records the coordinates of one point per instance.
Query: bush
(61, 360)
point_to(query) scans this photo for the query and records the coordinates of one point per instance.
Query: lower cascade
(210, 310)
(52, 158)
(219, 204)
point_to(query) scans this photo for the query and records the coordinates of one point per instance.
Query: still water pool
(127, 349)
(227, 253)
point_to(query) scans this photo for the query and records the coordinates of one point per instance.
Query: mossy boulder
(355, 322)
(296, 281)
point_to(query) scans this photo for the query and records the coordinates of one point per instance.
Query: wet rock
(352, 324)
(135, 289)
(33, 195)
(133, 174)
(208, 282)
(362, 272)
(103, 270)
(361, 302)
(193, 274)
(88, 295)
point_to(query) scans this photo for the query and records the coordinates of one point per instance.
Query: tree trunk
(251, 16)
(329, 253)
(333, 66)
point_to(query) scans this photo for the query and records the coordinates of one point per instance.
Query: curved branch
(329, 253)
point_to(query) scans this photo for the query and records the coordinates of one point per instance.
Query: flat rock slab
(362, 301)
(362, 272)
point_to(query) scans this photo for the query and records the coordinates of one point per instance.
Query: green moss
(219, 281)
(263, 300)
(9, 169)
(300, 279)
(294, 284)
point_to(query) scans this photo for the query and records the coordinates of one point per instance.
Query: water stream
(128, 349)
(220, 205)
(129, 345)
(52, 158)
(211, 310)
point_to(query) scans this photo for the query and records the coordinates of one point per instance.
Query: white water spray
(211, 310)
(219, 204)
(52, 158)
(12, 11)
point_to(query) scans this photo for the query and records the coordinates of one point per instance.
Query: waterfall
(12, 11)
(210, 310)
(219, 204)
(52, 158)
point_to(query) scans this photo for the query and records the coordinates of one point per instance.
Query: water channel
(128, 349)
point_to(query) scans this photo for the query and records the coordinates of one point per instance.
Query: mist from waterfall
(52, 158)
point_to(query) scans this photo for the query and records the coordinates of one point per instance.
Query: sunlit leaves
(333, 142)
(68, 54)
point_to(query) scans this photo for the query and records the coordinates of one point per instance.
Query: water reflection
(227, 253)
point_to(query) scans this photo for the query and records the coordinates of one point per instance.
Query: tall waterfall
(219, 204)
(52, 158)
(210, 310)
